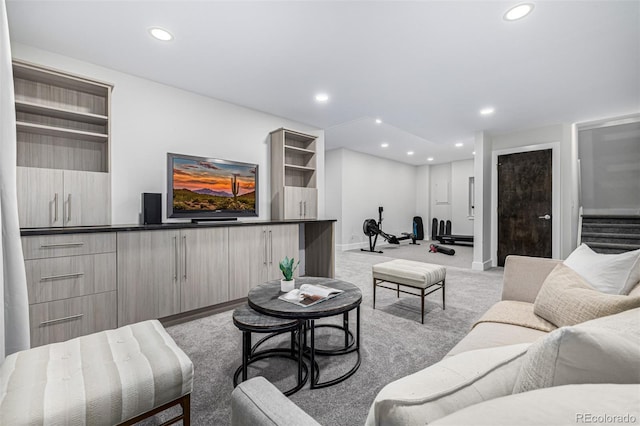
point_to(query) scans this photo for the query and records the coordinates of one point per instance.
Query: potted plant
(287, 268)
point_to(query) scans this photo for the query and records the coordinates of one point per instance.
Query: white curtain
(14, 309)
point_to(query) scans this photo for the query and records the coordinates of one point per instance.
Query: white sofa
(501, 372)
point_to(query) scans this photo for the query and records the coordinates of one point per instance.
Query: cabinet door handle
(175, 258)
(61, 245)
(53, 321)
(69, 208)
(184, 243)
(59, 277)
(270, 247)
(264, 234)
(305, 209)
(55, 208)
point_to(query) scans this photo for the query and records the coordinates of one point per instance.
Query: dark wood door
(524, 204)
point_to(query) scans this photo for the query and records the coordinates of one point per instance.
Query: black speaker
(151, 208)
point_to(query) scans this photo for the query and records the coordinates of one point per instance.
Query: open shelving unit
(293, 175)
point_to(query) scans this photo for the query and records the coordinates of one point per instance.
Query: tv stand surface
(218, 219)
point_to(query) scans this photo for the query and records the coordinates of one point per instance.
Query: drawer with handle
(71, 276)
(43, 246)
(61, 320)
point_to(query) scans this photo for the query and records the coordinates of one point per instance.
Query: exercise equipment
(444, 235)
(372, 229)
(434, 248)
(418, 228)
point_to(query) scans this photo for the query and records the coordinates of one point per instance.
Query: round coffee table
(264, 299)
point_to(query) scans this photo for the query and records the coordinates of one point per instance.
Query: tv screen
(203, 188)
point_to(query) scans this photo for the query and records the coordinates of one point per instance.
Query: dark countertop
(164, 226)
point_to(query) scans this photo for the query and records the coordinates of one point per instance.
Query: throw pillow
(565, 298)
(447, 386)
(605, 350)
(609, 273)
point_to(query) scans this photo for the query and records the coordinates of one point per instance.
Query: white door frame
(555, 196)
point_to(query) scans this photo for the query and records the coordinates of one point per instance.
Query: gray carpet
(394, 344)
(462, 258)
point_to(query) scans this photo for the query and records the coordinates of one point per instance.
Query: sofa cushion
(609, 273)
(562, 405)
(493, 334)
(447, 386)
(567, 299)
(516, 313)
(605, 350)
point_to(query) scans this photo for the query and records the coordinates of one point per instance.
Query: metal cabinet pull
(59, 277)
(175, 259)
(264, 234)
(184, 243)
(55, 208)
(270, 247)
(305, 209)
(61, 245)
(53, 321)
(69, 208)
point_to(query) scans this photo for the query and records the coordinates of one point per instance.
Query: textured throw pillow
(565, 298)
(451, 384)
(609, 273)
(605, 350)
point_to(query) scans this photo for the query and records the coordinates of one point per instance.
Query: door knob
(545, 217)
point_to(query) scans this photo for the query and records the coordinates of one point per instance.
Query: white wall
(423, 207)
(482, 256)
(333, 185)
(440, 181)
(150, 119)
(461, 171)
(368, 182)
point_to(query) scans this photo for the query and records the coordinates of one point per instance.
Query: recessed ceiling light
(430, 159)
(322, 97)
(160, 34)
(518, 12)
(487, 111)
(473, 153)
(409, 152)
(459, 144)
(378, 121)
(384, 144)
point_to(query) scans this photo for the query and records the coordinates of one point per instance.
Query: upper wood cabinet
(62, 124)
(293, 175)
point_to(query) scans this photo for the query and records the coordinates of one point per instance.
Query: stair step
(591, 219)
(612, 246)
(612, 225)
(610, 235)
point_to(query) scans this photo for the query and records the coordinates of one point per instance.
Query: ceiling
(425, 68)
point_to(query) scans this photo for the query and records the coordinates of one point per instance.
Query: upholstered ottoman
(408, 273)
(107, 378)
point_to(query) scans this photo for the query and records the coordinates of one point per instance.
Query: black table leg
(246, 352)
(314, 377)
(345, 324)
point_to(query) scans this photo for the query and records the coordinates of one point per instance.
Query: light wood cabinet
(255, 253)
(163, 273)
(71, 283)
(63, 133)
(51, 198)
(294, 193)
(148, 275)
(204, 274)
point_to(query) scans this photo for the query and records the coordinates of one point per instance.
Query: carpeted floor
(394, 344)
(462, 258)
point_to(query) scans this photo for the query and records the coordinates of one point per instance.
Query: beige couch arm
(523, 277)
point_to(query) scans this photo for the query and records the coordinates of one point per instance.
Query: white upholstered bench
(418, 275)
(113, 377)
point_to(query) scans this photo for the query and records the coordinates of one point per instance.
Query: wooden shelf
(299, 150)
(61, 132)
(48, 111)
(300, 168)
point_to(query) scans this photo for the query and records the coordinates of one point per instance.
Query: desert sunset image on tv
(213, 185)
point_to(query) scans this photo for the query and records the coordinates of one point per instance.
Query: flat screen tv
(210, 188)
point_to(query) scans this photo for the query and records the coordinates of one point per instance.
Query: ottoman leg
(422, 303)
(374, 293)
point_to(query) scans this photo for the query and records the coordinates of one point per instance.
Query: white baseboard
(481, 266)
